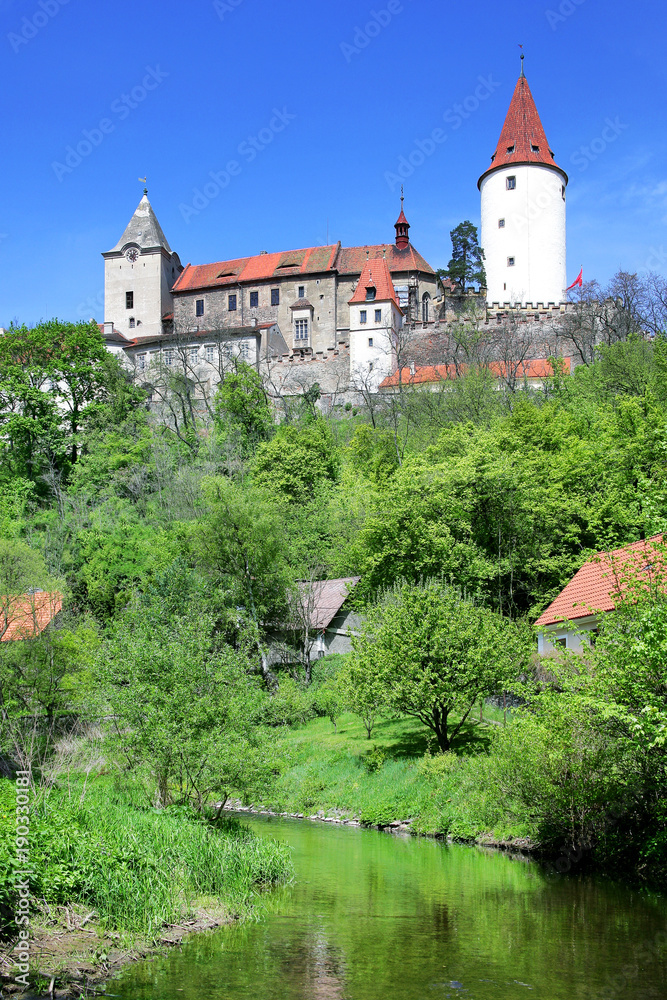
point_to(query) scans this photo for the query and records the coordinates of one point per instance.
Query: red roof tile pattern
(522, 139)
(597, 586)
(536, 368)
(312, 260)
(25, 616)
(325, 598)
(375, 274)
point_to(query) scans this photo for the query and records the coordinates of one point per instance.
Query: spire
(402, 227)
(143, 229)
(523, 139)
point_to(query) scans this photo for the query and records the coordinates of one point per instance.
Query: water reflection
(372, 917)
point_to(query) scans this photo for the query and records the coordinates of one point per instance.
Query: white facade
(374, 332)
(576, 637)
(523, 234)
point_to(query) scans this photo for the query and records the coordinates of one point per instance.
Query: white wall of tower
(533, 234)
(373, 343)
(150, 279)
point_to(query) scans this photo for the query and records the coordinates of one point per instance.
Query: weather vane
(144, 181)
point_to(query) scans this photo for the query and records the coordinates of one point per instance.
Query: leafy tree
(241, 404)
(363, 689)
(436, 653)
(297, 461)
(467, 264)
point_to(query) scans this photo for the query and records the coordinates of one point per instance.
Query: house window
(501, 223)
(254, 300)
(370, 341)
(193, 354)
(560, 641)
(510, 261)
(510, 149)
(426, 298)
(275, 296)
(231, 303)
(243, 349)
(301, 292)
(209, 353)
(378, 315)
(362, 315)
(301, 329)
(370, 294)
(169, 358)
(131, 322)
(562, 191)
(535, 149)
(129, 300)
(199, 307)
(511, 183)
(141, 362)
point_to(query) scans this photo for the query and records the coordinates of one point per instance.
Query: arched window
(426, 298)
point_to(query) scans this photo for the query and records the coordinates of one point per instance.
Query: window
(362, 315)
(193, 354)
(169, 358)
(562, 191)
(275, 296)
(141, 362)
(510, 183)
(254, 300)
(231, 303)
(209, 353)
(131, 322)
(501, 223)
(243, 349)
(534, 148)
(560, 641)
(370, 341)
(301, 329)
(301, 292)
(370, 294)
(510, 149)
(378, 315)
(510, 261)
(199, 307)
(426, 298)
(129, 300)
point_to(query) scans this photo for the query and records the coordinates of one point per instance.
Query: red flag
(579, 280)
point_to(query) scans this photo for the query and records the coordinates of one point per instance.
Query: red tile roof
(290, 263)
(597, 585)
(534, 368)
(25, 616)
(375, 274)
(522, 139)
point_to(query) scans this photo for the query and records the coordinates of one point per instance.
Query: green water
(376, 917)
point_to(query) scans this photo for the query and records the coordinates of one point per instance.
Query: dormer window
(371, 292)
(535, 149)
(510, 149)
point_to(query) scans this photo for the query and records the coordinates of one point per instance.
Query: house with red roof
(572, 620)
(375, 322)
(529, 373)
(25, 616)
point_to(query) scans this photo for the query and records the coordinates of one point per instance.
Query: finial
(522, 59)
(401, 197)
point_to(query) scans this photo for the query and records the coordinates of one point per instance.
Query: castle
(332, 314)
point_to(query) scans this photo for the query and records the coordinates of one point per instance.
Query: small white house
(572, 620)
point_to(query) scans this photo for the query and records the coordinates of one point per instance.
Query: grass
(397, 775)
(138, 868)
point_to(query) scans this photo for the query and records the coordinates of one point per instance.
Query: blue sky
(313, 105)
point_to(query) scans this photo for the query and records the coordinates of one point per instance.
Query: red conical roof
(523, 139)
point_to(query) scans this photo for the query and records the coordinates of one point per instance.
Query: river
(376, 917)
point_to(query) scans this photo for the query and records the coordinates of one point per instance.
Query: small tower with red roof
(375, 322)
(402, 227)
(523, 210)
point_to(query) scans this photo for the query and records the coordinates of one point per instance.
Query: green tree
(297, 461)
(363, 687)
(241, 404)
(467, 264)
(436, 653)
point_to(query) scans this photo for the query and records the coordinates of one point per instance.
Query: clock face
(132, 254)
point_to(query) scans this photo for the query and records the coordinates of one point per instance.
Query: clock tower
(139, 274)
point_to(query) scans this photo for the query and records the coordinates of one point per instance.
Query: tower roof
(143, 229)
(375, 274)
(523, 139)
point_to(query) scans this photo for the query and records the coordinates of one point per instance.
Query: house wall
(150, 279)
(576, 635)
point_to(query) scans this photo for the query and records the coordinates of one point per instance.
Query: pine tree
(467, 264)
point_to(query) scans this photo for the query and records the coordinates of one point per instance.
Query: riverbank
(113, 879)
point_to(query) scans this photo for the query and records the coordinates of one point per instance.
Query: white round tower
(523, 211)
